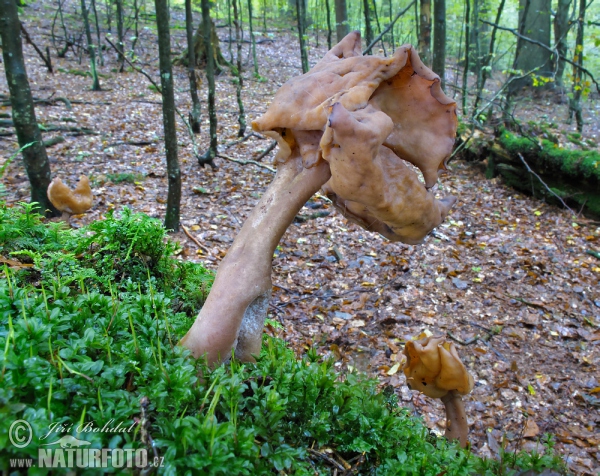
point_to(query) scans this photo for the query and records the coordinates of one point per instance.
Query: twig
(189, 235)
(46, 59)
(387, 28)
(546, 47)
(544, 183)
(246, 162)
(470, 341)
(331, 461)
(139, 70)
(243, 139)
(267, 151)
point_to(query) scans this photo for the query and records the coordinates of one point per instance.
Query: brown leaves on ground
(505, 276)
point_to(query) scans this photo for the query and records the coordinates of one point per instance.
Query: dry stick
(330, 460)
(246, 162)
(546, 47)
(243, 139)
(388, 28)
(267, 151)
(189, 235)
(47, 60)
(544, 183)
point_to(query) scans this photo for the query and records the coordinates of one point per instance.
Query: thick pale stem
(233, 315)
(457, 427)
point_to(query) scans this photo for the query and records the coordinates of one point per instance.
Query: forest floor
(507, 277)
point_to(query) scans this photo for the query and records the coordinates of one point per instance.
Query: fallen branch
(544, 183)
(330, 460)
(189, 235)
(470, 341)
(131, 142)
(45, 58)
(267, 151)
(312, 216)
(246, 162)
(53, 141)
(243, 139)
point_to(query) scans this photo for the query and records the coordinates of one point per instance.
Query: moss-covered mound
(89, 325)
(572, 175)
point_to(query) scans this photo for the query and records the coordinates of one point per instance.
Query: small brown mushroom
(346, 126)
(433, 367)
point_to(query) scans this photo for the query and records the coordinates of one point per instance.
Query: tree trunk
(425, 32)
(328, 10)
(91, 47)
(194, 115)
(23, 113)
(168, 99)
(121, 34)
(341, 19)
(561, 30)
(240, 79)
(578, 86)
(300, 19)
(208, 28)
(97, 23)
(439, 39)
(534, 22)
(465, 78)
(252, 39)
(368, 28)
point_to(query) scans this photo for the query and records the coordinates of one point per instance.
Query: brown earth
(506, 277)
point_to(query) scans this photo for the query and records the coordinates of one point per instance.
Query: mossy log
(573, 175)
(200, 50)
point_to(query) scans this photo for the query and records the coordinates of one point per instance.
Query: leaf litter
(508, 278)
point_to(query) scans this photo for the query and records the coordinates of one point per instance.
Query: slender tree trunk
(121, 35)
(378, 27)
(108, 14)
(252, 39)
(561, 30)
(439, 39)
(392, 41)
(487, 64)
(239, 75)
(100, 55)
(300, 17)
(465, 78)
(91, 47)
(328, 9)
(341, 19)
(194, 115)
(168, 98)
(136, 21)
(264, 5)
(210, 154)
(425, 32)
(230, 25)
(575, 106)
(23, 113)
(368, 28)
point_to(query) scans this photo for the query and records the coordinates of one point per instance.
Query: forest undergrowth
(512, 280)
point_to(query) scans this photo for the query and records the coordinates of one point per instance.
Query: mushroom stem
(234, 313)
(457, 427)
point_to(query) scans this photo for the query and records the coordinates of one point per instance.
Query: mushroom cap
(365, 115)
(74, 201)
(434, 368)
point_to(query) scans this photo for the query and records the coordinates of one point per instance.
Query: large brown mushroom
(433, 367)
(346, 126)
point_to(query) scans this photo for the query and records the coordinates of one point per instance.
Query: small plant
(125, 177)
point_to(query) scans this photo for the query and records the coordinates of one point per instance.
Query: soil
(507, 278)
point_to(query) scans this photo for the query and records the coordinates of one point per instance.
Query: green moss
(547, 156)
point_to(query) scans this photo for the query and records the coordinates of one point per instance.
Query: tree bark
(194, 115)
(578, 86)
(210, 154)
(301, 18)
(465, 77)
(91, 47)
(121, 34)
(23, 112)
(252, 40)
(328, 11)
(561, 30)
(341, 19)
(439, 39)
(368, 27)
(168, 98)
(240, 79)
(425, 32)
